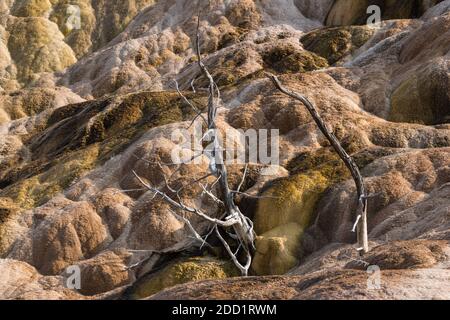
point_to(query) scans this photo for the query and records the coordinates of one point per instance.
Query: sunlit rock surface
(87, 97)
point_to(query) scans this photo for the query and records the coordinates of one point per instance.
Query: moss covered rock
(115, 123)
(277, 250)
(288, 210)
(37, 45)
(106, 271)
(82, 136)
(79, 39)
(31, 8)
(38, 189)
(183, 271)
(335, 43)
(100, 20)
(412, 254)
(73, 233)
(347, 12)
(112, 16)
(423, 98)
(244, 14)
(288, 59)
(31, 102)
(7, 69)
(7, 210)
(231, 68)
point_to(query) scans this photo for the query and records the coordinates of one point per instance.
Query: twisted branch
(232, 218)
(361, 220)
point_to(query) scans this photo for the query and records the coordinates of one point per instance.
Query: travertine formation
(87, 97)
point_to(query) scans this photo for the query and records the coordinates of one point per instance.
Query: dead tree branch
(232, 219)
(361, 219)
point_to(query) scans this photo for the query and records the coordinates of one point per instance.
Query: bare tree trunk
(243, 227)
(361, 220)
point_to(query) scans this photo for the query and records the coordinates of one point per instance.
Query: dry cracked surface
(81, 107)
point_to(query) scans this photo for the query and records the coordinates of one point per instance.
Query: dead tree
(233, 222)
(361, 220)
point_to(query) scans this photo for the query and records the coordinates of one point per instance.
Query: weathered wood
(242, 228)
(233, 218)
(363, 242)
